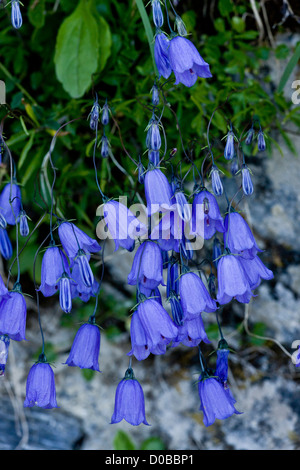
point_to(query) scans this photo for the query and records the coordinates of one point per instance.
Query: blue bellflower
(172, 278)
(161, 57)
(191, 333)
(40, 387)
(151, 330)
(216, 403)
(194, 296)
(255, 271)
(232, 281)
(54, 263)
(217, 251)
(206, 217)
(123, 226)
(13, 313)
(72, 239)
(186, 62)
(10, 203)
(129, 401)
(238, 236)
(85, 348)
(147, 266)
(157, 191)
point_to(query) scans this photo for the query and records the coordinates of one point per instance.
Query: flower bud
(246, 181)
(261, 143)
(179, 24)
(105, 115)
(216, 181)
(16, 16)
(158, 18)
(24, 228)
(65, 297)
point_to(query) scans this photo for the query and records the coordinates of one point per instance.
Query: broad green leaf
(123, 442)
(153, 443)
(105, 42)
(77, 49)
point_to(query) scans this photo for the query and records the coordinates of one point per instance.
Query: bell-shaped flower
(182, 206)
(255, 271)
(157, 191)
(40, 386)
(86, 347)
(191, 333)
(4, 346)
(147, 266)
(10, 203)
(206, 216)
(169, 231)
(151, 330)
(161, 46)
(73, 239)
(232, 281)
(123, 226)
(129, 401)
(216, 403)
(6, 248)
(194, 296)
(238, 237)
(54, 263)
(13, 313)
(186, 62)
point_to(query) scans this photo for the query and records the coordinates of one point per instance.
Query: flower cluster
(174, 287)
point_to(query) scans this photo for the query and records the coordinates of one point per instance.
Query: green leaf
(105, 42)
(153, 443)
(77, 50)
(289, 68)
(123, 442)
(238, 24)
(36, 13)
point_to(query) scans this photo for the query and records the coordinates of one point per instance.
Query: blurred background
(66, 52)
